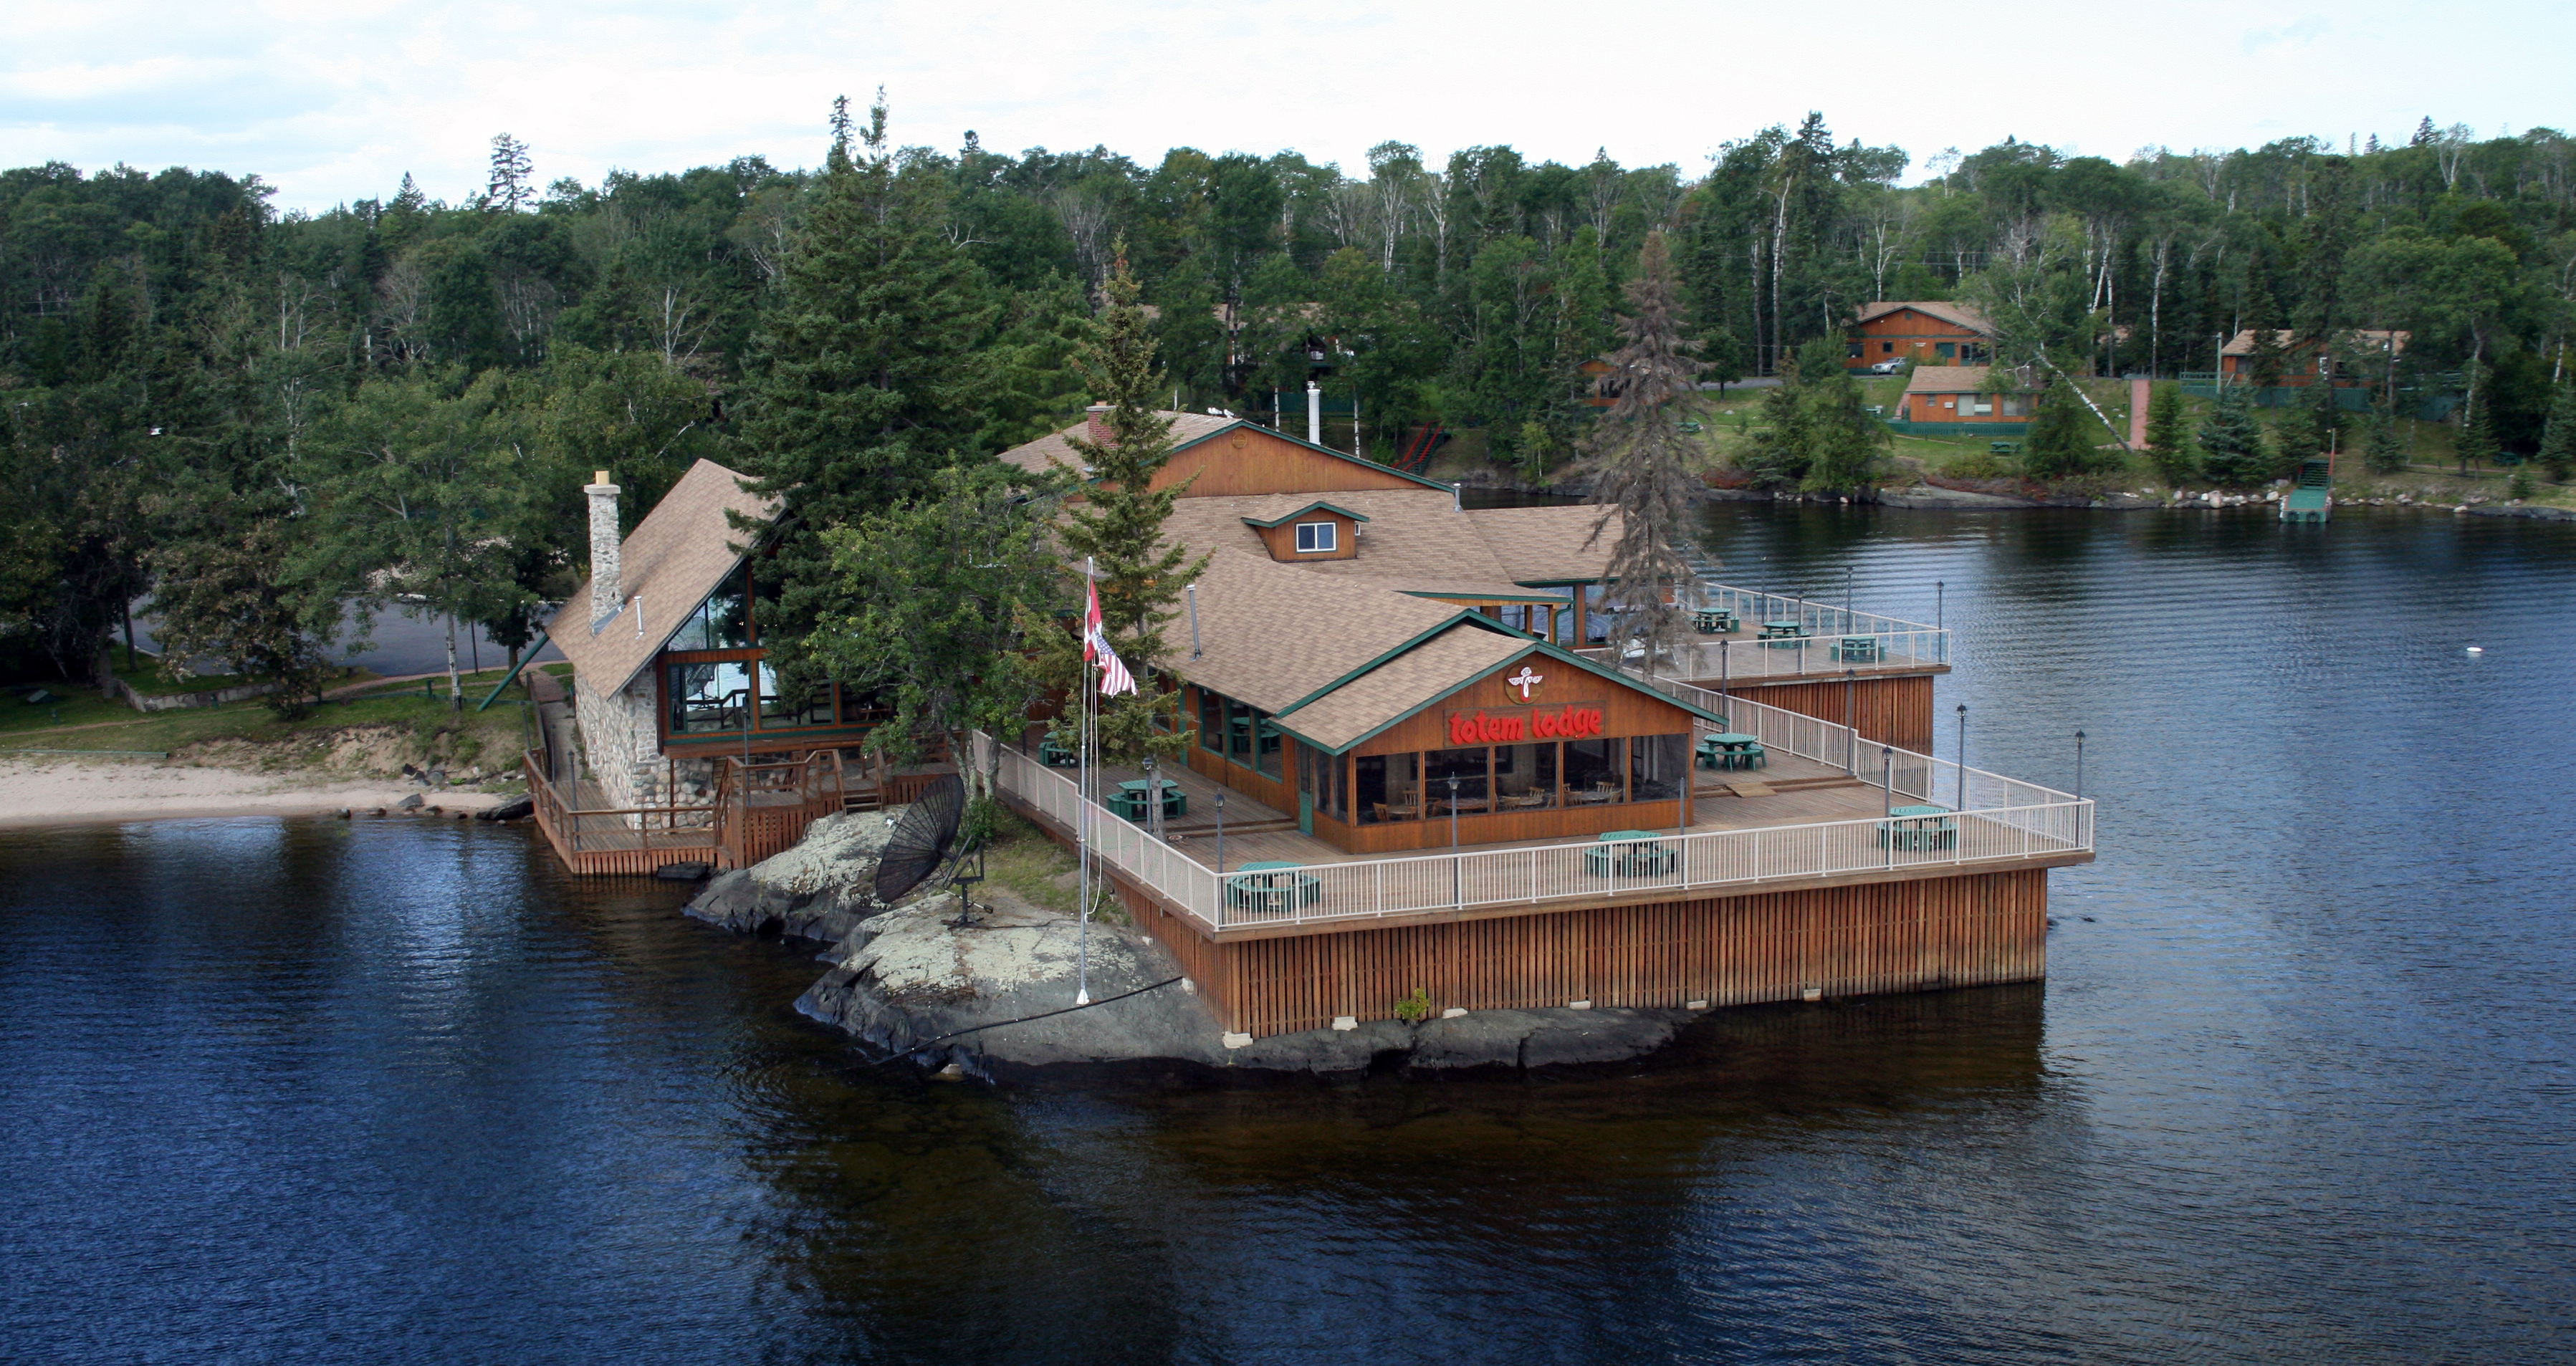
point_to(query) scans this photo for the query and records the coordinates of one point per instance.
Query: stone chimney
(1097, 416)
(606, 590)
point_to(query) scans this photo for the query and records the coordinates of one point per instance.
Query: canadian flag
(1114, 678)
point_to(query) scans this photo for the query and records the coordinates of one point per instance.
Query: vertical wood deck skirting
(1886, 711)
(1916, 935)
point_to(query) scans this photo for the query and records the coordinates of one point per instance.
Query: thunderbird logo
(1525, 680)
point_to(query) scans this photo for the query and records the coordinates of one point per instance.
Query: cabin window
(722, 622)
(1386, 787)
(1524, 777)
(1472, 768)
(709, 698)
(781, 711)
(1944, 350)
(2014, 405)
(1596, 623)
(1593, 771)
(1852, 350)
(1658, 767)
(862, 711)
(1319, 775)
(1238, 731)
(1315, 538)
(1211, 721)
(1977, 405)
(1265, 760)
(1887, 348)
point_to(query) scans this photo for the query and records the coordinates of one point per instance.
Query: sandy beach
(75, 791)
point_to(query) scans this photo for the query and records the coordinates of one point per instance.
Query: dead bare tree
(1641, 461)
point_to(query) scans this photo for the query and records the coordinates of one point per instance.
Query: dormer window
(1318, 538)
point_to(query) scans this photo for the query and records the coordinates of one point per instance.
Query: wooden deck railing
(2021, 821)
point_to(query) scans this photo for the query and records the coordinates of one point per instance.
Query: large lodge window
(1241, 732)
(710, 697)
(722, 622)
(1506, 778)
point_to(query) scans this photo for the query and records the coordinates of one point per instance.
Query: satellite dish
(922, 839)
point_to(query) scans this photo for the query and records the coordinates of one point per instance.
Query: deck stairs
(2311, 499)
(1415, 456)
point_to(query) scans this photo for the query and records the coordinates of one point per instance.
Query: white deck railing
(2007, 820)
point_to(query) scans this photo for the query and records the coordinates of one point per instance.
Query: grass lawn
(1024, 862)
(415, 729)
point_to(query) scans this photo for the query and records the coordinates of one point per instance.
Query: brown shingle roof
(1274, 635)
(1546, 544)
(1413, 542)
(1402, 686)
(1957, 315)
(676, 556)
(1053, 449)
(2242, 344)
(1947, 379)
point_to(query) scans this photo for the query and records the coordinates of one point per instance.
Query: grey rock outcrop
(818, 889)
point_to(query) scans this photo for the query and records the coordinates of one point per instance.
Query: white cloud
(331, 101)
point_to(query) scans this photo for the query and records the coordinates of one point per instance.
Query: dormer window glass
(1317, 538)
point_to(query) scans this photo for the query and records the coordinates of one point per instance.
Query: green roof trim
(1542, 647)
(1310, 507)
(1344, 456)
(1443, 595)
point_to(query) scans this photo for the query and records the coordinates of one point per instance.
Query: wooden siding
(1282, 539)
(1254, 460)
(1887, 711)
(1841, 941)
(1626, 709)
(1908, 334)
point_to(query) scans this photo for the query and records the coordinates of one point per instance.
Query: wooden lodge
(2304, 361)
(1421, 756)
(1926, 333)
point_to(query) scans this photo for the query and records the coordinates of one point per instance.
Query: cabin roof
(1188, 429)
(1310, 505)
(1948, 379)
(2242, 344)
(1402, 686)
(1957, 315)
(1416, 542)
(676, 556)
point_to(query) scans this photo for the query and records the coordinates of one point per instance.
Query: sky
(333, 100)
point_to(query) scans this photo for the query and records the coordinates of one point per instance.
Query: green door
(1305, 813)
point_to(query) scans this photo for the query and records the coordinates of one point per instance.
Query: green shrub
(1414, 1009)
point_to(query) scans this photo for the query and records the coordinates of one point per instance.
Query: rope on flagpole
(1090, 781)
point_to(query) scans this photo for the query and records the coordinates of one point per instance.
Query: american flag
(1114, 678)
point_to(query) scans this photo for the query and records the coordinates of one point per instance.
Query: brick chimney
(1097, 418)
(606, 590)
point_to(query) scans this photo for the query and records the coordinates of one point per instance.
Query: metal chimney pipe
(1314, 413)
(1195, 652)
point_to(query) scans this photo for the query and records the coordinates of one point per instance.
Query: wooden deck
(1803, 792)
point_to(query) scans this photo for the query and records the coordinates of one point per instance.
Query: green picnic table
(1919, 827)
(1857, 650)
(1271, 888)
(1129, 799)
(1629, 853)
(1715, 621)
(1730, 750)
(1054, 755)
(1784, 634)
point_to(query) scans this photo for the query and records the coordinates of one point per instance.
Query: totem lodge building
(1420, 756)
(1927, 333)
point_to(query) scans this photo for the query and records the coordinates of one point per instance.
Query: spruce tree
(2234, 450)
(1118, 527)
(1845, 445)
(1644, 482)
(2558, 439)
(2476, 441)
(2386, 450)
(2168, 445)
(867, 374)
(2059, 443)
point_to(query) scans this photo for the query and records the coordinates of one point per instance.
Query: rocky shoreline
(913, 979)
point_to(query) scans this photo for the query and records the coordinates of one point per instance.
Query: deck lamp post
(1153, 797)
(2079, 765)
(1220, 834)
(1851, 736)
(1937, 587)
(1963, 758)
(1887, 780)
(1457, 878)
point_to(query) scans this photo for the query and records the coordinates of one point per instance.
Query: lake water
(2299, 1086)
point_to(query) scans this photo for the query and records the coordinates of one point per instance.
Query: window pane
(1238, 732)
(1657, 767)
(708, 698)
(778, 712)
(1596, 623)
(1468, 767)
(1593, 770)
(1389, 788)
(1211, 721)
(1524, 777)
(1266, 762)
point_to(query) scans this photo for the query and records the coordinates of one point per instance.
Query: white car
(1887, 367)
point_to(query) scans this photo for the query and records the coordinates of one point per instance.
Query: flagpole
(1090, 778)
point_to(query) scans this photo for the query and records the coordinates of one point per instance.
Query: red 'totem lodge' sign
(1572, 721)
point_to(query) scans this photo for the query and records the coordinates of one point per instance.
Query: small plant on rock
(1414, 1009)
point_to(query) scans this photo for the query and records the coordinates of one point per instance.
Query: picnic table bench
(1629, 853)
(1129, 799)
(1731, 750)
(1919, 827)
(1271, 887)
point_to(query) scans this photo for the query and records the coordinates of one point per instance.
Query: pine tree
(1845, 445)
(2386, 451)
(2475, 443)
(2267, 364)
(514, 180)
(868, 375)
(2168, 445)
(2058, 445)
(1644, 481)
(2558, 439)
(2234, 450)
(1118, 526)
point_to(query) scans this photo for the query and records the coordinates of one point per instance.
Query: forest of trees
(259, 417)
